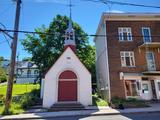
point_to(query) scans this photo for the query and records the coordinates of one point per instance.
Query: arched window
(68, 75)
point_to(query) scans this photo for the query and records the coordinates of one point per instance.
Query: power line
(3, 42)
(5, 33)
(7, 40)
(91, 35)
(123, 3)
(6, 9)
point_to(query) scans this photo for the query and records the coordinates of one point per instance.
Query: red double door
(67, 86)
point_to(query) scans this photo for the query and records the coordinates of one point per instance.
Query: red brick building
(128, 55)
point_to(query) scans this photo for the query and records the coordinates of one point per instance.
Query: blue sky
(35, 13)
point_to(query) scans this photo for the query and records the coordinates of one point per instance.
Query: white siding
(50, 95)
(102, 69)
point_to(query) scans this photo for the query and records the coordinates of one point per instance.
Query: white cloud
(116, 11)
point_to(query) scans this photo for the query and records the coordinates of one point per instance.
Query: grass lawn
(18, 89)
(15, 109)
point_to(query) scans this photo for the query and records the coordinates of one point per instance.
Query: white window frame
(123, 55)
(158, 87)
(149, 31)
(148, 61)
(122, 30)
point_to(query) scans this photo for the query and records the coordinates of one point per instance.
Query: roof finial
(70, 17)
(69, 33)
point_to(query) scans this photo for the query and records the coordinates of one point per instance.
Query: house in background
(26, 72)
(128, 56)
(5, 65)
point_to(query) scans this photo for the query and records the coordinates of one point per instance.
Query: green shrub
(133, 100)
(98, 101)
(116, 102)
(2, 99)
(3, 78)
(30, 99)
(17, 98)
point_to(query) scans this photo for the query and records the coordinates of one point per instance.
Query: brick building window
(146, 34)
(131, 88)
(125, 34)
(127, 59)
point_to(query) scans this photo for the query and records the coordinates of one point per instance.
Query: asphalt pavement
(137, 116)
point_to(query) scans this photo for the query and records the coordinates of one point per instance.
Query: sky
(35, 13)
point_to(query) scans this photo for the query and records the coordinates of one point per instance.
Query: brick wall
(114, 48)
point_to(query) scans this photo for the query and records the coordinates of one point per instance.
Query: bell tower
(70, 33)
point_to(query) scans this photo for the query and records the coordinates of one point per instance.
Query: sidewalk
(91, 112)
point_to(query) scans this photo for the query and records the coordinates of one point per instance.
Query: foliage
(97, 101)
(14, 109)
(46, 48)
(127, 103)
(3, 76)
(1, 58)
(117, 100)
(29, 99)
(27, 59)
(2, 99)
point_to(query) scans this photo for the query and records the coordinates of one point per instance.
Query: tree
(3, 76)
(2, 58)
(46, 48)
(27, 59)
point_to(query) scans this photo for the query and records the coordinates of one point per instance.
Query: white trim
(148, 28)
(157, 88)
(122, 30)
(149, 95)
(130, 56)
(153, 60)
(67, 79)
(132, 16)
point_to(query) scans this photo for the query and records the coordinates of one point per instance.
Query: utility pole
(13, 59)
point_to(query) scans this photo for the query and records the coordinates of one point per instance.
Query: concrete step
(67, 106)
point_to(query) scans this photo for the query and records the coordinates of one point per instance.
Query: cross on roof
(70, 9)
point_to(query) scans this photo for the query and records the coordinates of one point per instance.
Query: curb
(79, 114)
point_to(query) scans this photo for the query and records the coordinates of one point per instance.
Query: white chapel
(68, 80)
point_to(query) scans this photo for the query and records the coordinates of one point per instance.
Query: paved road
(139, 116)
